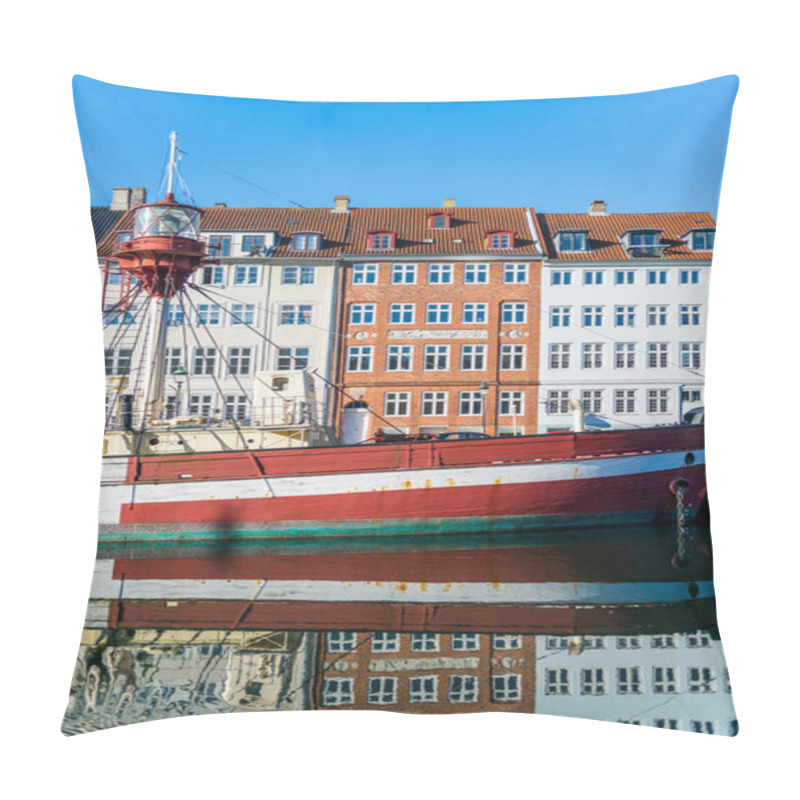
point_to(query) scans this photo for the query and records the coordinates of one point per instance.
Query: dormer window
(643, 244)
(500, 240)
(381, 240)
(306, 241)
(438, 220)
(572, 241)
(702, 240)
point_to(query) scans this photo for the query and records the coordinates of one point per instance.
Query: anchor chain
(680, 559)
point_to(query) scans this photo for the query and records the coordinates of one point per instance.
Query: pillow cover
(397, 453)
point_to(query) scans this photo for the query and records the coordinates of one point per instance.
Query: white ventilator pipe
(577, 416)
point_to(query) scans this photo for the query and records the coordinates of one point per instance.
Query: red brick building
(426, 672)
(439, 321)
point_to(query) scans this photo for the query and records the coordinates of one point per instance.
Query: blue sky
(654, 151)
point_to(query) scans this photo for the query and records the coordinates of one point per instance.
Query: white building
(677, 681)
(623, 317)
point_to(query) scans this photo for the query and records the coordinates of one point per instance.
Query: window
(500, 241)
(656, 315)
(690, 355)
(438, 220)
(624, 355)
(556, 681)
(703, 240)
(385, 642)
(592, 277)
(464, 641)
(293, 358)
(658, 401)
(476, 273)
(359, 359)
(399, 357)
(174, 314)
(506, 641)
(404, 273)
(463, 689)
(664, 680)
(664, 642)
(629, 680)
(200, 404)
(213, 275)
(669, 724)
(559, 316)
(424, 642)
(629, 642)
(337, 691)
(657, 355)
(689, 315)
(506, 688)
(592, 355)
(513, 312)
(239, 360)
(209, 314)
(698, 639)
(401, 313)
(571, 241)
(243, 314)
(365, 273)
(422, 689)
(381, 241)
(246, 274)
(297, 275)
(515, 273)
(594, 643)
(253, 245)
(557, 642)
(558, 401)
(220, 246)
(292, 314)
(341, 641)
(701, 727)
(306, 241)
(512, 356)
(112, 316)
(173, 359)
(236, 407)
(434, 404)
(559, 356)
(689, 276)
(470, 404)
(625, 316)
(645, 244)
(560, 278)
(592, 316)
(437, 357)
(473, 357)
(473, 313)
(438, 313)
(701, 680)
(511, 403)
(593, 681)
(440, 273)
(382, 690)
(624, 277)
(624, 401)
(396, 404)
(362, 314)
(592, 400)
(656, 277)
(118, 361)
(204, 361)
(691, 395)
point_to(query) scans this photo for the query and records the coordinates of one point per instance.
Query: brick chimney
(597, 208)
(341, 202)
(449, 202)
(138, 196)
(120, 198)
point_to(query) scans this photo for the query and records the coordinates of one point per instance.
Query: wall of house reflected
(666, 680)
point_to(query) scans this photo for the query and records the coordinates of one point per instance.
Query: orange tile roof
(605, 232)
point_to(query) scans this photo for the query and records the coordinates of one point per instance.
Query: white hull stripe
(113, 497)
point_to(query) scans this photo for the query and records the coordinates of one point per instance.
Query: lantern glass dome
(167, 220)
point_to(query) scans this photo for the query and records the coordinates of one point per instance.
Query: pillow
(393, 450)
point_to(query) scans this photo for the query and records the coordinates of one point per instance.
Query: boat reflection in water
(439, 624)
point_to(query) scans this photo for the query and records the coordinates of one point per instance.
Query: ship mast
(163, 252)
